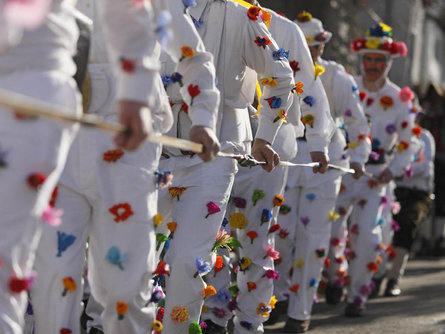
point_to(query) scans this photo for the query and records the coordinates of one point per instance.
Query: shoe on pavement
(280, 308)
(376, 289)
(334, 294)
(392, 288)
(213, 328)
(354, 310)
(296, 326)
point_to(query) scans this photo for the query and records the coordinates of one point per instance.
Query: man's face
(316, 51)
(374, 65)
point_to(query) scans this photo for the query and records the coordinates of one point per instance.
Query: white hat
(313, 29)
(378, 39)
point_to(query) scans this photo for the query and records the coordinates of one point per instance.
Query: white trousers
(304, 244)
(248, 316)
(194, 237)
(28, 146)
(362, 202)
(112, 203)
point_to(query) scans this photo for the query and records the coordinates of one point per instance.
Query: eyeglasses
(378, 60)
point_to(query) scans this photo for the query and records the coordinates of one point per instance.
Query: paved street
(420, 310)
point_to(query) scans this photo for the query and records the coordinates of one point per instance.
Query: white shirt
(392, 122)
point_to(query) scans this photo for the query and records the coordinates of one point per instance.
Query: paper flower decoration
(187, 52)
(308, 120)
(121, 309)
(262, 41)
(269, 82)
(298, 88)
(318, 70)
(386, 102)
(209, 291)
(282, 115)
(263, 310)
(112, 155)
(193, 91)
(285, 209)
(222, 241)
(64, 241)
(372, 266)
(295, 66)
(274, 228)
(238, 220)
(305, 221)
(127, 65)
(283, 233)
(294, 288)
(219, 264)
(115, 257)
(272, 253)
(176, 192)
(257, 195)
(280, 54)
(121, 212)
(245, 263)
(321, 252)
(251, 286)
(187, 4)
(202, 267)
(252, 236)
(69, 285)
(266, 215)
(271, 274)
(212, 208)
(157, 219)
(299, 263)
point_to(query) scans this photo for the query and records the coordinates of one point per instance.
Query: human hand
(205, 136)
(263, 151)
(322, 159)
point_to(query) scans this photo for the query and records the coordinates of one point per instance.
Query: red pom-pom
(18, 285)
(35, 180)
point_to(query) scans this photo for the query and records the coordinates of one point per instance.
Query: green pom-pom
(194, 328)
(161, 303)
(233, 290)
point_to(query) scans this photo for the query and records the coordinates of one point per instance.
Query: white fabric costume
(257, 237)
(394, 144)
(311, 198)
(110, 195)
(33, 151)
(231, 35)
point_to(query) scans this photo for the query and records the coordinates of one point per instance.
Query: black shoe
(296, 326)
(354, 310)
(213, 328)
(280, 308)
(94, 330)
(392, 288)
(376, 289)
(334, 294)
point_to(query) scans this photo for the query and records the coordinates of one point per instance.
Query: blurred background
(421, 25)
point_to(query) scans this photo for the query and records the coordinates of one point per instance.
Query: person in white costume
(32, 150)
(311, 198)
(109, 194)
(239, 40)
(414, 192)
(258, 234)
(394, 143)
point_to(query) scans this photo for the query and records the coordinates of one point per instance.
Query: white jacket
(230, 36)
(392, 123)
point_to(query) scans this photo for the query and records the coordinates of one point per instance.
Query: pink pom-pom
(406, 94)
(403, 50)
